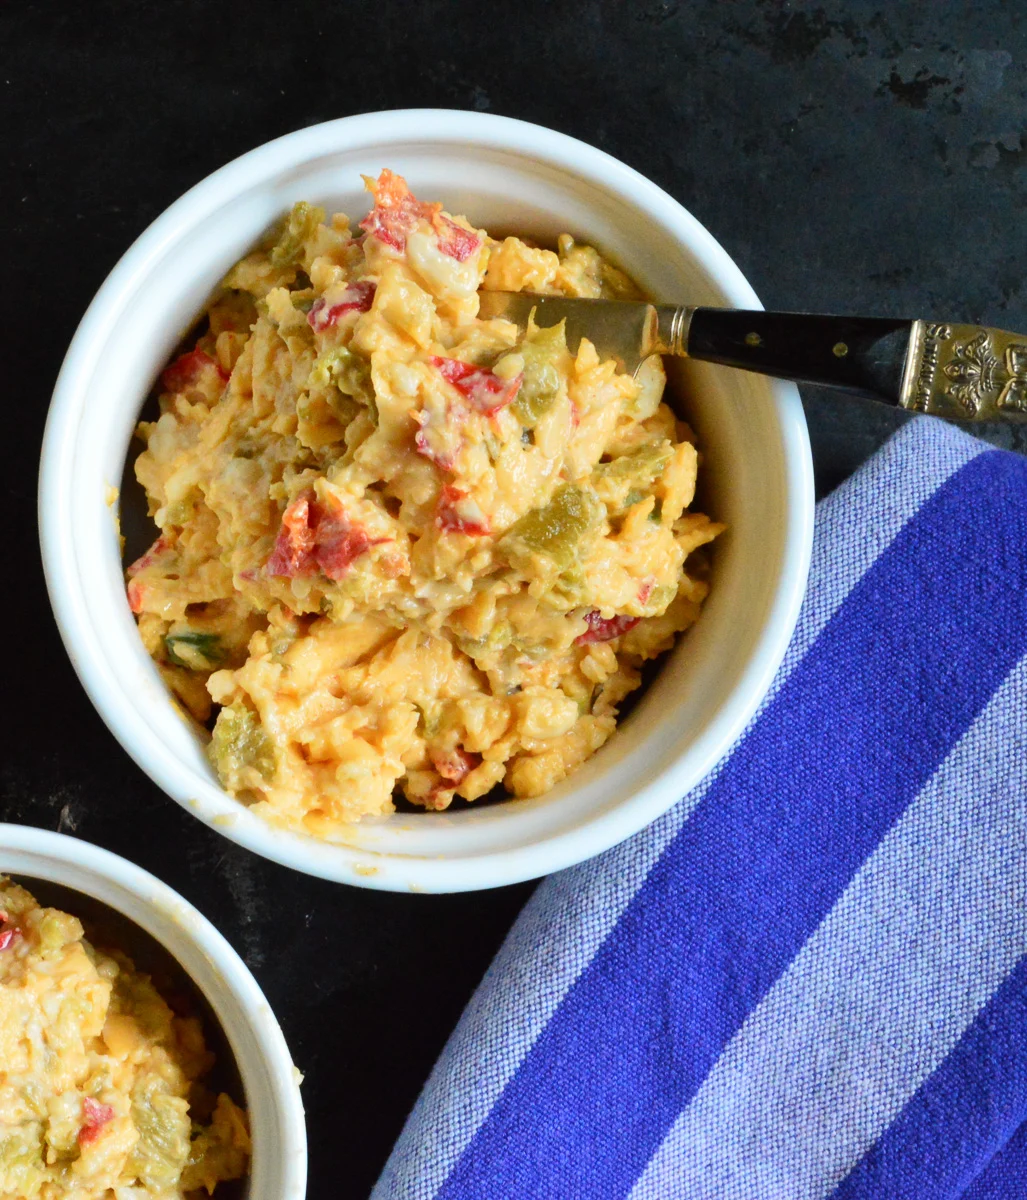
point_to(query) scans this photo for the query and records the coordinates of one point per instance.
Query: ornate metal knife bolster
(965, 372)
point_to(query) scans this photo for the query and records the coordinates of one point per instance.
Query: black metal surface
(862, 355)
(850, 156)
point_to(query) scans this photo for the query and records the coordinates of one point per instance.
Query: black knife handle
(866, 355)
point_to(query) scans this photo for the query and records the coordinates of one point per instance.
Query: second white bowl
(506, 176)
(278, 1170)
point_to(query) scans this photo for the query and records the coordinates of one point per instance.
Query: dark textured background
(850, 157)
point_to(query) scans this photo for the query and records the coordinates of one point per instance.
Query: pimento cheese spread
(404, 550)
(100, 1083)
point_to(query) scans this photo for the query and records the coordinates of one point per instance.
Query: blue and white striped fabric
(809, 979)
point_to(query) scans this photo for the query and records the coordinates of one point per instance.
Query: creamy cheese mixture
(100, 1093)
(402, 547)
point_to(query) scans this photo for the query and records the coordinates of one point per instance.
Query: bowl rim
(336, 861)
(28, 853)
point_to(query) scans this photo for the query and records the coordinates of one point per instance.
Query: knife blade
(955, 370)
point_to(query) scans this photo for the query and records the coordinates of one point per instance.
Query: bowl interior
(755, 478)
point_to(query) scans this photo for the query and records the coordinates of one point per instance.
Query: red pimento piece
(338, 542)
(149, 558)
(397, 210)
(458, 513)
(95, 1117)
(358, 297)
(8, 937)
(604, 629)
(187, 371)
(452, 369)
(645, 590)
(423, 445)
(454, 239)
(485, 391)
(136, 589)
(136, 592)
(454, 765)
(312, 539)
(293, 553)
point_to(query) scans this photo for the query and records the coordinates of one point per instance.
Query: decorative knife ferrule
(668, 334)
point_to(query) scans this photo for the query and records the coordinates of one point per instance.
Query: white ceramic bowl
(272, 1095)
(505, 175)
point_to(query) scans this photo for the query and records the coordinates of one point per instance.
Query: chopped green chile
(136, 994)
(193, 650)
(571, 587)
(162, 1122)
(21, 1156)
(344, 408)
(299, 227)
(640, 467)
(348, 371)
(494, 642)
(238, 742)
(430, 721)
(180, 512)
(52, 932)
(555, 530)
(540, 384)
(660, 597)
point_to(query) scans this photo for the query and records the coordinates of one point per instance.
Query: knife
(959, 371)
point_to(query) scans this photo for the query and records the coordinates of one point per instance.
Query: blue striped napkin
(809, 979)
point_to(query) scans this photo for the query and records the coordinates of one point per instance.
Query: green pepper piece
(299, 227)
(184, 649)
(555, 530)
(494, 642)
(54, 932)
(334, 367)
(350, 372)
(238, 741)
(640, 467)
(137, 996)
(541, 382)
(21, 1158)
(571, 586)
(162, 1122)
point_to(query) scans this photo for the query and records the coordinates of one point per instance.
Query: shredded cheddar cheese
(402, 547)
